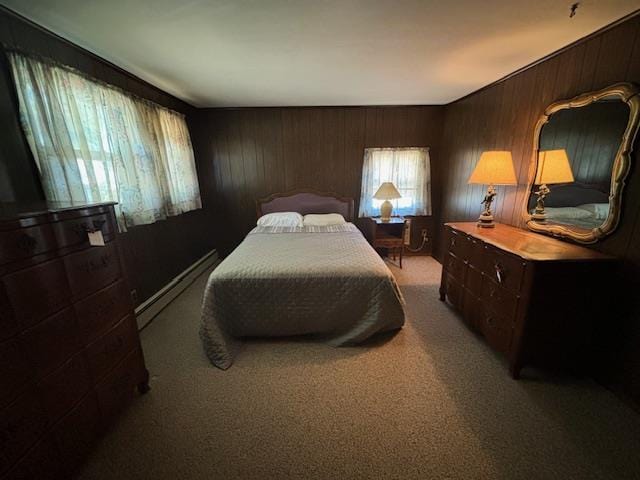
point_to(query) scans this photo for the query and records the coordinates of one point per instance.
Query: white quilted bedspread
(312, 280)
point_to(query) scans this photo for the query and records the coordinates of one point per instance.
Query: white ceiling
(321, 52)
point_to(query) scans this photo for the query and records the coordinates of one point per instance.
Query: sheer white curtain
(94, 143)
(410, 171)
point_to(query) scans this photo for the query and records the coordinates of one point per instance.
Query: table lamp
(553, 167)
(387, 191)
(493, 168)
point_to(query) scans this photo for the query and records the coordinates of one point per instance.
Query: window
(95, 143)
(409, 170)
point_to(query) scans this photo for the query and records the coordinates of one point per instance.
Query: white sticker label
(96, 239)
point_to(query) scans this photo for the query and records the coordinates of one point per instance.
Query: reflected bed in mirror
(574, 204)
(581, 157)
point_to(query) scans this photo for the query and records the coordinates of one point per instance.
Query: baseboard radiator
(151, 307)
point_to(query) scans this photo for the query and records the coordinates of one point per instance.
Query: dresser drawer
(496, 330)
(36, 292)
(78, 431)
(72, 233)
(9, 323)
(25, 242)
(52, 341)
(455, 267)
(473, 281)
(506, 270)
(458, 244)
(472, 310)
(476, 253)
(15, 370)
(498, 299)
(454, 291)
(21, 425)
(63, 388)
(92, 269)
(104, 353)
(97, 312)
(42, 462)
(117, 389)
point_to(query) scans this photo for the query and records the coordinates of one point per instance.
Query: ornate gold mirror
(581, 157)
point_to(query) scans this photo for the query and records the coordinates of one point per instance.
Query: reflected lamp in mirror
(387, 191)
(553, 167)
(493, 168)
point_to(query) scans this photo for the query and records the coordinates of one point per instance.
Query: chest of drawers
(531, 297)
(70, 355)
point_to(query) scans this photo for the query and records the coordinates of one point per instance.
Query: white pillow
(566, 213)
(280, 219)
(323, 220)
(600, 211)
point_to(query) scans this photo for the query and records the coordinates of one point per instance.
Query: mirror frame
(628, 93)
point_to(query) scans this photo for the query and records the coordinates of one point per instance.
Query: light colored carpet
(431, 402)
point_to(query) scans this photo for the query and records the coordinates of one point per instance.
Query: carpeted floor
(431, 402)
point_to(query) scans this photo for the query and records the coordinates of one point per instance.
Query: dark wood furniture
(70, 356)
(532, 297)
(389, 235)
(306, 201)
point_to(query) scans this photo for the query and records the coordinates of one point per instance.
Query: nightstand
(389, 235)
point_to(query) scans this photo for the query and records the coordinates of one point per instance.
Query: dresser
(534, 298)
(70, 355)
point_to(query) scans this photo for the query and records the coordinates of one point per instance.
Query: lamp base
(539, 217)
(486, 217)
(539, 214)
(385, 211)
(486, 221)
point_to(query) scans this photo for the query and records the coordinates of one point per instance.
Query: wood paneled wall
(591, 137)
(503, 117)
(259, 151)
(154, 253)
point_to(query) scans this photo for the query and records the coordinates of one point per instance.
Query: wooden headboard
(306, 201)
(574, 194)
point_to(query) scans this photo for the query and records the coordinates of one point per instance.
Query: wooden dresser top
(528, 245)
(9, 211)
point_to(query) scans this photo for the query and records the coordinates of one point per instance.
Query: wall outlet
(407, 232)
(134, 296)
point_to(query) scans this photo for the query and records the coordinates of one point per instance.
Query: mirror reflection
(577, 150)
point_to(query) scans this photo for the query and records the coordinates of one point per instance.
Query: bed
(283, 281)
(578, 204)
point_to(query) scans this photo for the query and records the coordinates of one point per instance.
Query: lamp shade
(387, 191)
(494, 168)
(553, 167)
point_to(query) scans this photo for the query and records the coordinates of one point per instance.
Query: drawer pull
(452, 242)
(499, 273)
(490, 321)
(81, 229)
(94, 265)
(114, 347)
(27, 243)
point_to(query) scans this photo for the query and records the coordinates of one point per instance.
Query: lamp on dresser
(553, 167)
(493, 168)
